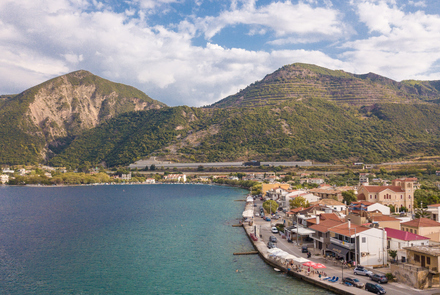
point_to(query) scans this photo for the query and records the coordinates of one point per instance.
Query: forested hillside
(313, 129)
(44, 119)
(299, 112)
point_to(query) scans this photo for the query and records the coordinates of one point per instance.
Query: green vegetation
(299, 202)
(300, 112)
(270, 206)
(349, 197)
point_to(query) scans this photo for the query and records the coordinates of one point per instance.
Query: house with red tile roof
(366, 245)
(397, 239)
(421, 226)
(399, 194)
(321, 237)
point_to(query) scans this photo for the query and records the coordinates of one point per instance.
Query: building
(422, 268)
(8, 170)
(365, 245)
(399, 239)
(331, 203)
(150, 181)
(363, 179)
(321, 235)
(385, 221)
(434, 212)
(126, 176)
(399, 194)
(369, 207)
(327, 193)
(4, 178)
(421, 226)
(268, 186)
(175, 177)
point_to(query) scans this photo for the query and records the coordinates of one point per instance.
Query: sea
(131, 239)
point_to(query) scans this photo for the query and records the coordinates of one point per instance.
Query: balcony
(342, 243)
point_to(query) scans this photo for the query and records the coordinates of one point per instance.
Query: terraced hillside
(302, 81)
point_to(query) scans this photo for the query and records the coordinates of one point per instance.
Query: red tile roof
(329, 216)
(434, 205)
(403, 235)
(421, 222)
(325, 225)
(380, 188)
(345, 231)
(384, 218)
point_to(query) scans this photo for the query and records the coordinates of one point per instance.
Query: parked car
(273, 239)
(271, 245)
(253, 237)
(274, 230)
(381, 279)
(374, 288)
(267, 219)
(304, 249)
(353, 281)
(360, 270)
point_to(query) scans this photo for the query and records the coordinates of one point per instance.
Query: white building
(397, 239)
(434, 211)
(175, 177)
(8, 170)
(4, 178)
(368, 245)
(150, 181)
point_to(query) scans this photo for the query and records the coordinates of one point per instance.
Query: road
(331, 270)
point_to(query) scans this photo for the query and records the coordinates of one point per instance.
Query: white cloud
(283, 18)
(41, 39)
(407, 45)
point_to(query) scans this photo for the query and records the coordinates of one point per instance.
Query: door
(423, 261)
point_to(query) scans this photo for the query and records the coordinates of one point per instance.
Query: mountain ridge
(299, 112)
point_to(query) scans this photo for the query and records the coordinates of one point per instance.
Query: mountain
(299, 112)
(302, 81)
(46, 118)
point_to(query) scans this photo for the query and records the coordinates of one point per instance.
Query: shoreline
(261, 247)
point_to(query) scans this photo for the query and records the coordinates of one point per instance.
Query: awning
(249, 199)
(303, 231)
(338, 250)
(248, 213)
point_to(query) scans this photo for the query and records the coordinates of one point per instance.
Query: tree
(299, 202)
(393, 254)
(270, 206)
(422, 213)
(349, 197)
(152, 167)
(200, 168)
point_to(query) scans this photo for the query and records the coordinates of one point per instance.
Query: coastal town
(338, 246)
(350, 239)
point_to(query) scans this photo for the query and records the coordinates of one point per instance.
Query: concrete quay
(394, 288)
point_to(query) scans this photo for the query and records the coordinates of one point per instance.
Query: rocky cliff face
(44, 119)
(70, 104)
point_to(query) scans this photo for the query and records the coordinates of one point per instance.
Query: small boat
(276, 269)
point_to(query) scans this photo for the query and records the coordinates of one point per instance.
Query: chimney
(349, 223)
(317, 219)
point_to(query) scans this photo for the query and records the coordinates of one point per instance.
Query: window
(415, 231)
(364, 239)
(410, 230)
(428, 260)
(416, 258)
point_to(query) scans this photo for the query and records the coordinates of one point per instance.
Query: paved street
(331, 270)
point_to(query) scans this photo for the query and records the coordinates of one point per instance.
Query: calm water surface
(132, 239)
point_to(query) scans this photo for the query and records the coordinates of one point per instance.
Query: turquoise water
(131, 239)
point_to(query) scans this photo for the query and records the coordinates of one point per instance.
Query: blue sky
(197, 52)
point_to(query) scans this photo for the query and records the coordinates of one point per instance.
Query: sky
(196, 52)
